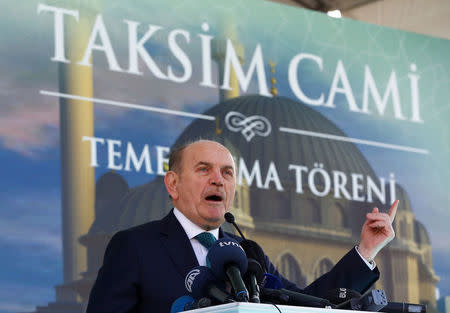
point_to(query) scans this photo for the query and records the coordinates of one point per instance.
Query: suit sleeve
(350, 272)
(116, 287)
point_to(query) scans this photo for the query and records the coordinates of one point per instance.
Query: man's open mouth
(216, 198)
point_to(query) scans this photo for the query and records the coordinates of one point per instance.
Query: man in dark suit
(144, 267)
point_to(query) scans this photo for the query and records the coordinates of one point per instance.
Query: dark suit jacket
(144, 269)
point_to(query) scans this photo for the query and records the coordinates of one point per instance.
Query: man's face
(203, 190)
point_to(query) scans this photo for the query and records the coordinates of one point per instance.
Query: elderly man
(144, 267)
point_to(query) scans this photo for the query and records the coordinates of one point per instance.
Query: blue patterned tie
(206, 239)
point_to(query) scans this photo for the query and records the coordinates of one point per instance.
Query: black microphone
(230, 219)
(273, 291)
(257, 263)
(374, 301)
(403, 307)
(253, 278)
(340, 295)
(294, 298)
(254, 251)
(201, 282)
(227, 259)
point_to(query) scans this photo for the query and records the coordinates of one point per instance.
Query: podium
(246, 307)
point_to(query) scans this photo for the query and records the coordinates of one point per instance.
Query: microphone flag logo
(190, 279)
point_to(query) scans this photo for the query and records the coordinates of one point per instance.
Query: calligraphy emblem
(248, 126)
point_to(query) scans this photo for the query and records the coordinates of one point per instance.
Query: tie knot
(206, 239)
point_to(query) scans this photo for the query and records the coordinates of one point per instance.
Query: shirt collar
(191, 228)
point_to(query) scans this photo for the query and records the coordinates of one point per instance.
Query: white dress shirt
(193, 230)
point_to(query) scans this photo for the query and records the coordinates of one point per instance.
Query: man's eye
(228, 173)
(202, 169)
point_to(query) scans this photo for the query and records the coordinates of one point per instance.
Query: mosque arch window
(324, 266)
(340, 218)
(288, 266)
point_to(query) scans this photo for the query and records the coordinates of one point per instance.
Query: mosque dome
(277, 147)
(421, 234)
(400, 194)
(280, 147)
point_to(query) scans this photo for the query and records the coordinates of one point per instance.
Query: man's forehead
(208, 152)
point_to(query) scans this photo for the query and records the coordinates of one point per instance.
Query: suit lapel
(177, 245)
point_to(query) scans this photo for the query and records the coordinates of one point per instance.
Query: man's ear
(171, 182)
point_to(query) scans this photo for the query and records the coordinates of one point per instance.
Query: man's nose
(216, 178)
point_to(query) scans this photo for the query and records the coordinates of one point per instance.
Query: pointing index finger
(393, 210)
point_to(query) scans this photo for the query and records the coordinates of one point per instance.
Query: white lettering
(58, 29)
(379, 192)
(112, 154)
(143, 159)
(341, 76)
(99, 30)
(357, 187)
(272, 175)
(339, 181)
(244, 174)
(93, 141)
(414, 83)
(293, 78)
(257, 64)
(136, 48)
(206, 58)
(298, 176)
(370, 87)
(180, 55)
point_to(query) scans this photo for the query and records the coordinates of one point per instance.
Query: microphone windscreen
(254, 251)
(180, 304)
(224, 252)
(255, 268)
(229, 217)
(198, 280)
(272, 282)
(340, 295)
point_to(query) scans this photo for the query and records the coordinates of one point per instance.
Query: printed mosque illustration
(285, 223)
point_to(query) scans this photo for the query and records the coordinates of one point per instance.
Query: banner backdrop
(326, 119)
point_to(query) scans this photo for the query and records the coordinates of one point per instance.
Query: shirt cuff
(371, 264)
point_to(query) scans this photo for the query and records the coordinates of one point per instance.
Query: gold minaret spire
(273, 80)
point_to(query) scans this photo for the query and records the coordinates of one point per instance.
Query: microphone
(201, 282)
(256, 263)
(254, 251)
(284, 296)
(375, 300)
(272, 282)
(341, 296)
(253, 278)
(186, 303)
(227, 259)
(273, 291)
(230, 219)
(403, 307)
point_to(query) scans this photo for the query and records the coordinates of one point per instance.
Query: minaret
(77, 176)
(219, 47)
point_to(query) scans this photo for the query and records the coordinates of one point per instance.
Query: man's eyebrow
(228, 167)
(202, 163)
(210, 164)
